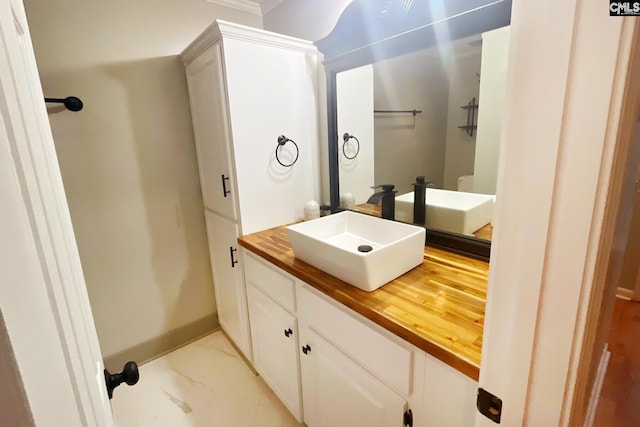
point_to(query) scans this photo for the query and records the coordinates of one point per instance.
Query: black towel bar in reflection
(414, 112)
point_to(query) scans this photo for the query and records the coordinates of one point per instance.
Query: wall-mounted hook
(72, 103)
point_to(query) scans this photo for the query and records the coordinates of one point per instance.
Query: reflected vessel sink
(454, 211)
(362, 250)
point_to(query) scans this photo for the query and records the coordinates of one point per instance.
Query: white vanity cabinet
(328, 368)
(348, 369)
(274, 330)
(334, 368)
(246, 88)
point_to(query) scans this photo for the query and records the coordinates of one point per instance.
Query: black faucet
(388, 196)
(419, 202)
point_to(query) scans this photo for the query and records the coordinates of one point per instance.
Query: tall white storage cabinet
(247, 87)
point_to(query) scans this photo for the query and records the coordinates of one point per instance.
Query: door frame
(636, 291)
(47, 317)
(567, 99)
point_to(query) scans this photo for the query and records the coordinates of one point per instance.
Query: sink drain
(364, 248)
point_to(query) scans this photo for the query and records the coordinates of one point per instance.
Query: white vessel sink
(454, 211)
(331, 244)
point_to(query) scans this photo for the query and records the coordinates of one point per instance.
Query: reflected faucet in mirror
(388, 197)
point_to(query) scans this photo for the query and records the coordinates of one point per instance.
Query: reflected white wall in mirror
(408, 145)
(493, 87)
(355, 117)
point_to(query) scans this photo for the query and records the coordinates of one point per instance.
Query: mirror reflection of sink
(454, 211)
(388, 249)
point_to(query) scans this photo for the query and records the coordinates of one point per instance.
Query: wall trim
(597, 387)
(220, 29)
(624, 293)
(244, 5)
(163, 344)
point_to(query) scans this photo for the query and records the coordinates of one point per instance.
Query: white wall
(355, 116)
(463, 86)
(493, 94)
(128, 159)
(310, 20)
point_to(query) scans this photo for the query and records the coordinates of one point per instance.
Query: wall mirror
(416, 88)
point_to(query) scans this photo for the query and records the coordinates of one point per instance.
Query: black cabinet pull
(306, 349)
(233, 258)
(288, 332)
(224, 185)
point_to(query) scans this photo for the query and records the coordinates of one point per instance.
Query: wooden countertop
(438, 306)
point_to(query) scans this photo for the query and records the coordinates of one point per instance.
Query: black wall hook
(72, 103)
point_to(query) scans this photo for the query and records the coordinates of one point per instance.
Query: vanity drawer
(275, 283)
(384, 358)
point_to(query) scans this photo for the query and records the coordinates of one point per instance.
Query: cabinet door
(228, 280)
(449, 396)
(337, 392)
(209, 114)
(274, 337)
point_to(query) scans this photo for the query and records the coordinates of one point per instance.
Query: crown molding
(244, 5)
(222, 29)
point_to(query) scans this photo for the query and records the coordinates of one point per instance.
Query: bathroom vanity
(336, 355)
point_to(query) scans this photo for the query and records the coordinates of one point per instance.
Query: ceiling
(261, 7)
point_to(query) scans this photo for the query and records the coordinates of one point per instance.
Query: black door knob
(129, 375)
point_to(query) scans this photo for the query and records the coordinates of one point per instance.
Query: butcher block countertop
(438, 306)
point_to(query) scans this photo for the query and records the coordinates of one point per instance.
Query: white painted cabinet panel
(208, 97)
(228, 279)
(247, 87)
(337, 392)
(274, 336)
(272, 92)
(449, 396)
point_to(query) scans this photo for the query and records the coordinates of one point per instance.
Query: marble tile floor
(205, 383)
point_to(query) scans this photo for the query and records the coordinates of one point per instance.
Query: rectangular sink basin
(332, 243)
(454, 211)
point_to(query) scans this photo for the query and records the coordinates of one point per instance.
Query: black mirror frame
(372, 30)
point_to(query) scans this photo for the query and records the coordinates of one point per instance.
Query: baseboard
(624, 293)
(597, 387)
(163, 344)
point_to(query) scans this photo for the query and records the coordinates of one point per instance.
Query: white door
(208, 99)
(43, 299)
(274, 341)
(337, 392)
(561, 159)
(228, 280)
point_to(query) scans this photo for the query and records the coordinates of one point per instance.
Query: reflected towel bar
(414, 112)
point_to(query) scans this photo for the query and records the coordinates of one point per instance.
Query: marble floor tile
(205, 383)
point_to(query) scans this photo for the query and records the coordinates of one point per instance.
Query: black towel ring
(346, 137)
(281, 141)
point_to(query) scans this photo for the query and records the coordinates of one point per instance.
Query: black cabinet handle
(306, 349)
(233, 258)
(288, 332)
(224, 185)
